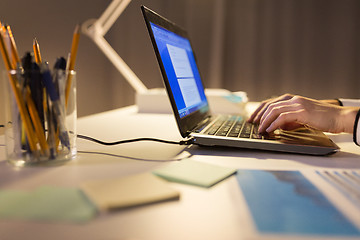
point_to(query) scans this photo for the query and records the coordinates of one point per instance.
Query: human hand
(290, 112)
(259, 112)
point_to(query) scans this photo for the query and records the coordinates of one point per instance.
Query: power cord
(182, 142)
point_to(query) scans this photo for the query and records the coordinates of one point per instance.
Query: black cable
(183, 142)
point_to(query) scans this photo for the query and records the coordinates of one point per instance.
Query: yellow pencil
(15, 87)
(73, 53)
(14, 51)
(39, 130)
(15, 62)
(37, 53)
(37, 125)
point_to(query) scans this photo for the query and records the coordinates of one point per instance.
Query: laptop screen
(180, 67)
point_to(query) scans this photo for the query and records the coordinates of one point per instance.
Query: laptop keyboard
(234, 126)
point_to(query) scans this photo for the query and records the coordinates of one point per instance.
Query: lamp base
(156, 100)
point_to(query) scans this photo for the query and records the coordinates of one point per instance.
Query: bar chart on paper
(285, 202)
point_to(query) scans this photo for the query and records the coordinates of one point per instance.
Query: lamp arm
(120, 65)
(111, 14)
(97, 28)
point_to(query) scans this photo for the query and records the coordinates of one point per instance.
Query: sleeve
(357, 129)
(353, 103)
(349, 102)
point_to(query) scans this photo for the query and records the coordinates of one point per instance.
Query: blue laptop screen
(181, 70)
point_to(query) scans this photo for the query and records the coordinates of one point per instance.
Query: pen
(36, 88)
(51, 122)
(56, 105)
(33, 96)
(60, 78)
(39, 130)
(26, 65)
(26, 62)
(60, 81)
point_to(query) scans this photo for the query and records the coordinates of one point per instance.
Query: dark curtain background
(263, 47)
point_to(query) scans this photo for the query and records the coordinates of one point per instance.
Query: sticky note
(128, 191)
(194, 173)
(46, 203)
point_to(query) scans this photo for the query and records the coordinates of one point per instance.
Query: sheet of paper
(129, 191)
(346, 181)
(194, 173)
(46, 203)
(285, 202)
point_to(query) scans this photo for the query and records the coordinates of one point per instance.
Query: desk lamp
(147, 100)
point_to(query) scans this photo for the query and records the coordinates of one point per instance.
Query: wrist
(348, 118)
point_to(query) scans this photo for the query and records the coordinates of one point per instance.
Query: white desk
(216, 213)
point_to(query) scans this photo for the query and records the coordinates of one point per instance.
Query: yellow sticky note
(128, 191)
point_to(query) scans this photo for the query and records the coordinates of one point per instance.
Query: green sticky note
(194, 173)
(46, 203)
(11, 203)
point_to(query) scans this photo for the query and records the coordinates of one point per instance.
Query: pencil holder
(40, 114)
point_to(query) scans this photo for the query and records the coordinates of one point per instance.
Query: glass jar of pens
(40, 112)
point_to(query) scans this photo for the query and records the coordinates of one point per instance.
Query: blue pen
(51, 120)
(24, 81)
(58, 110)
(59, 78)
(36, 87)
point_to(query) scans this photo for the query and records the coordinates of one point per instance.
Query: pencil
(74, 47)
(15, 59)
(38, 60)
(39, 130)
(15, 87)
(37, 53)
(15, 54)
(34, 115)
(73, 53)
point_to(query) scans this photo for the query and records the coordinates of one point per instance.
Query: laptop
(183, 83)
